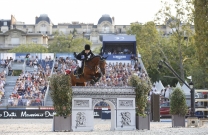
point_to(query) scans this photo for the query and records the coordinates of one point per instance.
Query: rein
(92, 67)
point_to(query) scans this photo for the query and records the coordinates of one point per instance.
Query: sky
(83, 11)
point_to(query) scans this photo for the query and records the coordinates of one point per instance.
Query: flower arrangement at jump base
(178, 107)
(142, 89)
(61, 94)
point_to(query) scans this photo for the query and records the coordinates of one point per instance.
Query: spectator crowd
(30, 87)
(117, 73)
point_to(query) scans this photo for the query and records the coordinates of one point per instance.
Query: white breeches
(79, 63)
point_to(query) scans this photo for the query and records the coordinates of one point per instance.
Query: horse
(90, 71)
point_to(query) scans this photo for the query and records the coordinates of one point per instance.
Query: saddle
(78, 71)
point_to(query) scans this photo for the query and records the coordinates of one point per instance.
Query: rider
(84, 55)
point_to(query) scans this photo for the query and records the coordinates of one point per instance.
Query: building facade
(14, 33)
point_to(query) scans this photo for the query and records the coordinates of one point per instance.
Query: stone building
(14, 33)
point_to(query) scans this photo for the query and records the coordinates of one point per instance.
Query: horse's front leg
(90, 78)
(97, 75)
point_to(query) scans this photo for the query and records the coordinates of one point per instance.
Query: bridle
(102, 70)
(100, 63)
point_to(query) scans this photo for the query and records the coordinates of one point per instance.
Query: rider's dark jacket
(83, 56)
(86, 56)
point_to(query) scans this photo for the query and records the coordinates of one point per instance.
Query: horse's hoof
(92, 82)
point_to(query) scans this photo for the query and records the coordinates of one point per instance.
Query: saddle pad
(75, 72)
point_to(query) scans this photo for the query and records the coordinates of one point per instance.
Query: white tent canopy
(186, 89)
(178, 85)
(160, 86)
(157, 86)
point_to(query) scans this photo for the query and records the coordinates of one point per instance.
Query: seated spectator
(126, 51)
(49, 59)
(19, 60)
(10, 70)
(46, 59)
(114, 52)
(132, 59)
(35, 62)
(56, 65)
(2, 63)
(10, 59)
(24, 101)
(1, 94)
(36, 102)
(10, 100)
(27, 59)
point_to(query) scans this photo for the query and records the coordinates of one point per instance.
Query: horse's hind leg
(73, 83)
(80, 84)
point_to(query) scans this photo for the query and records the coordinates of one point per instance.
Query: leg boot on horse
(79, 71)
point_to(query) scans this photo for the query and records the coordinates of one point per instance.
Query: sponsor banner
(64, 55)
(106, 114)
(118, 57)
(26, 114)
(97, 113)
(32, 114)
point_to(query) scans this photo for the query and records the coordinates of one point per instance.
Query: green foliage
(61, 94)
(201, 26)
(97, 50)
(199, 74)
(63, 43)
(177, 17)
(147, 40)
(142, 89)
(30, 48)
(178, 102)
(16, 72)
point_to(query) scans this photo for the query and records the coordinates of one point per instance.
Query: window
(30, 30)
(106, 29)
(15, 41)
(43, 25)
(43, 28)
(34, 40)
(119, 30)
(5, 23)
(62, 30)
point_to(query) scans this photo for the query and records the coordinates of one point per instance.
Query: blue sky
(86, 11)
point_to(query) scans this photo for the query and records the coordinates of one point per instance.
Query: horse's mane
(96, 56)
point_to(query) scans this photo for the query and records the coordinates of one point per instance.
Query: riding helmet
(87, 47)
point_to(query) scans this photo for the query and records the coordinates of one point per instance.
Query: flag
(189, 77)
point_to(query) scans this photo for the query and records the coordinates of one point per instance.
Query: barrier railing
(47, 90)
(7, 69)
(24, 102)
(143, 67)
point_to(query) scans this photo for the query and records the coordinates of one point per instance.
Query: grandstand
(26, 76)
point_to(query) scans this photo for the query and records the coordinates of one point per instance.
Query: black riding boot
(79, 70)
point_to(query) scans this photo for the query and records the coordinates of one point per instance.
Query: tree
(61, 94)
(141, 89)
(201, 34)
(147, 38)
(67, 43)
(178, 102)
(97, 49)
(176, 16)
(30, 48)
